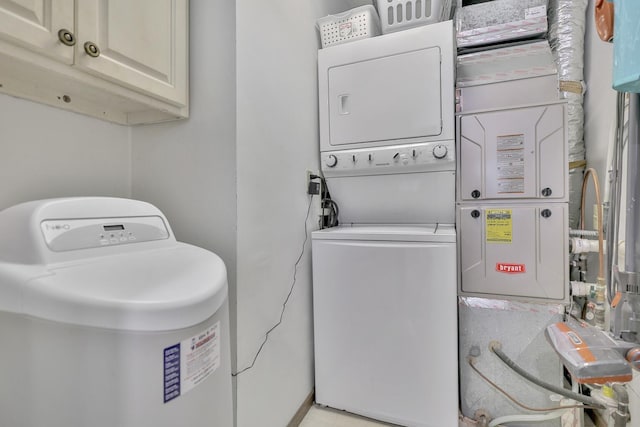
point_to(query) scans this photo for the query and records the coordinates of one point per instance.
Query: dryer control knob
(440, 151)
(332, 161)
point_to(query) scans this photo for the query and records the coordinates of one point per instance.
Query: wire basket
(359, 23)
(396, 15)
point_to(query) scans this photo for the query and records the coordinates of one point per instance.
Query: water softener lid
(158, 289)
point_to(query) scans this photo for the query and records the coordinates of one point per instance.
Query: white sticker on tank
(200, 357)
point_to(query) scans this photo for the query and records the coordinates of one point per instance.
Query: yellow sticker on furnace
(499, 226)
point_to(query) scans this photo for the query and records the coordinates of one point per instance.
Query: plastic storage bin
(359, 23)
(626, 49)
(396, 15)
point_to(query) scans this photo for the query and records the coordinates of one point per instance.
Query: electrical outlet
(313, 185)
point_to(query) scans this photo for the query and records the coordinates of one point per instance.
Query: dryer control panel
(84, 233)
(425, 157)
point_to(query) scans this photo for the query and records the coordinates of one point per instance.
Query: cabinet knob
(475, 194)
(475, 213)
(66, 37)
(546, 192)
(92, 49)
(546, 213)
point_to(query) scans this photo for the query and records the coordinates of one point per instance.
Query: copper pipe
(594, 175)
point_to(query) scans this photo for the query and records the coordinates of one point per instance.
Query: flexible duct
(526, 418)
(567, 19)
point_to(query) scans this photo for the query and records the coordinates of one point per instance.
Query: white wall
(277, 143)
(47, 152)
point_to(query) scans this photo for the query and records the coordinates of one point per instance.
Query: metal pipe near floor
(621, 415)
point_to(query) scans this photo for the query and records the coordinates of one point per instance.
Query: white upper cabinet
(119, 60)
(36, 24)
(141, 44)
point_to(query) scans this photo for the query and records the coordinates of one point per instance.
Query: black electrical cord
(284, 305)
(564, 392)
(329, 208)
(332, 217)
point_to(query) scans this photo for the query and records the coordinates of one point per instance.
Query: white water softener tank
(107, 321)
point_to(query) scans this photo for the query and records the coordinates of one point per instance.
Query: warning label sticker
(200, 357)
(510, 163)
(190, 362)
(499, 226)
(171, 372)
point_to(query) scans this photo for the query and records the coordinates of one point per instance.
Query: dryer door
(388, 90)
(388, 98)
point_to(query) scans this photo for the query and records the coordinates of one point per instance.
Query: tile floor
(326, 417)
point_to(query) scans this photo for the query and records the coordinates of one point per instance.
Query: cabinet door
(34, 24)
(143, 44)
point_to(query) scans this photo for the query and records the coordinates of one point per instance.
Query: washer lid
(153, 290)
(415, 233)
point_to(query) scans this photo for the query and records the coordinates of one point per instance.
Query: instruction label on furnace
(510, 163)
(191, 361)
(499, 226)
(535, 12)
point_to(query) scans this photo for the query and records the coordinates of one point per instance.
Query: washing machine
(385, 280)
(106, 320)
(385, 322)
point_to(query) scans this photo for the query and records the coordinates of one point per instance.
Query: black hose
(562, 391)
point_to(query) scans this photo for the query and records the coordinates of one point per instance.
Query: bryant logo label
(510, 268)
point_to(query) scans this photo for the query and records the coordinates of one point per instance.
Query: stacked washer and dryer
(385, 280)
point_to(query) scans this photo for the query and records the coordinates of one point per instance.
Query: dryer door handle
(343, 104)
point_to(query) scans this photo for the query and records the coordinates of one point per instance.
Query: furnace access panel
(514, 250)
(518, 153)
